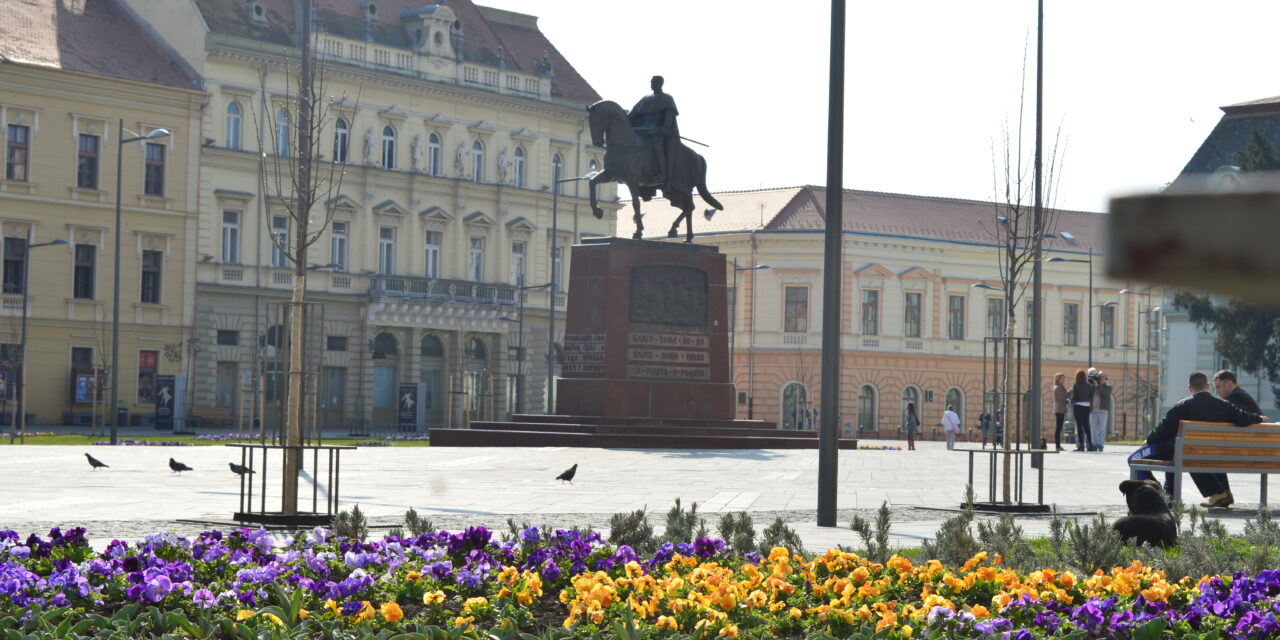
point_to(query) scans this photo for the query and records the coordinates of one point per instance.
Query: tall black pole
(1089, 298)
(114, 379)
(828, 436)
(551, 297)
(1037, 317)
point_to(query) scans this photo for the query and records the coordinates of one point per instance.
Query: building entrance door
(333, 393)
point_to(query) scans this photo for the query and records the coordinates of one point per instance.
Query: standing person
(984, 425)
(1060, 395)
(1100, 410)
(911, 422)
(1225, 385)
(1081, 399)
(950, 424)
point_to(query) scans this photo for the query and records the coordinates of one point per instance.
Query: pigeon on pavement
(239, 469)
(568, 474)
(96, 463)
(178, 466)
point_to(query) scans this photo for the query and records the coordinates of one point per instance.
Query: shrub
(738, 532)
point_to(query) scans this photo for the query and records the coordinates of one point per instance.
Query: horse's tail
(702, 185)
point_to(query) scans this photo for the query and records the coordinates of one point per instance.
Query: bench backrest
(1220, 444)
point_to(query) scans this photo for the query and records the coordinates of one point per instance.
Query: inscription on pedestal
(583, 353)
(668, 356)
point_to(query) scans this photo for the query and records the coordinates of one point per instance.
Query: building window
(1153, 331)
(433, 155)
(557, 268)
(1026, 330)
(557, 172)
(341, 141)
(434, 241)
(17, 146)
(431, 347)
(388, 147)
(233, 125)
(868, 419)
(338, 245)
(282, 133)
(87, 164)
(1071, 324)
(386, 250)
(870, 312)
(797, 309)
(148, 365)
(151, 276)
(955, 317)
(911, 316)
(475, 260)
(231, 237)
(280, 245)
(519, 167)
(228, 337)
(82, 376)
(153, 180)
(955, 400)
(477, 161)
(83, 279)
(15, 255)
(336, 343)
(995, 317)
(1107, 327)
(517, 263)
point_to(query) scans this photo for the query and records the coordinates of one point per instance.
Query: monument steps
(516, 436)
(525, 418)
(636, 429)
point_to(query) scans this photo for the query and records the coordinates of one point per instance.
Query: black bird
(568, 474)
(239, 469)
(96, 463)
(178, 466)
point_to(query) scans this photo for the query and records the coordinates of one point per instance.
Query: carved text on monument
(584, 353)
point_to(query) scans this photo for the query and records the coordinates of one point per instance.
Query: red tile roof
(90, 36)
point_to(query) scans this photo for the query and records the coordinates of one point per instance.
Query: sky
(1131, 87)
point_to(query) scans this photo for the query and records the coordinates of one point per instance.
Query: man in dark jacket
(1227, 388)
(1200, 406)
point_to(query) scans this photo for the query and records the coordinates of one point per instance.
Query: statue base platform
(628, 433)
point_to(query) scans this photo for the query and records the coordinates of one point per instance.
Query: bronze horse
(628, 159)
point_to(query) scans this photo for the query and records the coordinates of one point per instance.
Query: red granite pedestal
(646, 359)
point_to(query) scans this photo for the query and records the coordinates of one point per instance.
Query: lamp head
(157, 133)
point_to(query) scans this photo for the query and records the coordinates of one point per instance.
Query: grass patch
(88, 441)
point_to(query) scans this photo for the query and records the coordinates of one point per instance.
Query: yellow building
(451, 124)
(913, 323)
(70, 75)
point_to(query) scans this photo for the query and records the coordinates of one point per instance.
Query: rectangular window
(83, 278)
(796, 309)
(227, 337)
(557, 268)
(336, 343)
(82, 376)
(870, 312)
(955, 317)
(911, 316)
(15, 255)
(434, 241)
(1070, 324)
(280, 231)
(1107, 327)
(17, 146)
(1026, 328)
(1153, 330)
(995, 317)
(338, 246)
(386, 250)
(151, 261)
(475, 260)
(153, 183)
(231, 237)
(148, 364)
(87, 164)
(517, 263)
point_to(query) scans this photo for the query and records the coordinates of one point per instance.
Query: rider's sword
(703, 144)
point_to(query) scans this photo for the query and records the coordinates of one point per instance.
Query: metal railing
(463, 291)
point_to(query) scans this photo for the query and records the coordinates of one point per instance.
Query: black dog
(1149, 519)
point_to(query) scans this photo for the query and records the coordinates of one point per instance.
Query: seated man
(1204, 407)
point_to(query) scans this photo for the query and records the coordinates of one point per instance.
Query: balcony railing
(461, 291)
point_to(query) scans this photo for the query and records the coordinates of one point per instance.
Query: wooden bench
(1218, 447)
(210, 417)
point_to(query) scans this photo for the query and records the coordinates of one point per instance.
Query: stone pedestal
(646, 332)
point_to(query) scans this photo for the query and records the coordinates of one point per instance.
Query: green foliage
(1258, 155)
(633, 529)
(415, 524)
(738, 531)
(954, 543)
(351, 524)
(876, 543)
(1005, 537)
(682, 525)
(1244, 334)
(779, 534)
(1094, 545)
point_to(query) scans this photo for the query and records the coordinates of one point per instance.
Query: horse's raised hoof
(637, 236)
(598, 213)
(673, 233)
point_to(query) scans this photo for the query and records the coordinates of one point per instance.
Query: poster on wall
(408, 405)
(165, 396)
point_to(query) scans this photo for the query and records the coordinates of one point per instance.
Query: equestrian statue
(643, 150)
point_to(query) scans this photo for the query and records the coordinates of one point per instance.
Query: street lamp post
(733, 322)
(519, 320)
(115, 296)
(555, 286)
(20, 425)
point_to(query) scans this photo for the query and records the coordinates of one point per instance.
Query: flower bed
(879, 447)
(571, 584)
(143, 443)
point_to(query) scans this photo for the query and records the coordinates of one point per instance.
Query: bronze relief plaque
(669, 294)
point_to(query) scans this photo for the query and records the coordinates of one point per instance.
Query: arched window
(557, 172)
(385, 345)
(274, 337)
(476, 350)
(477, 162)
(282, 133)
(911, 395)
(519, 167)
(868, 419)
(233, 125)
(433, 155)
(388, 147)
(796, 412)
(341, 140)
(432, 347)
(593, 166)
(955, 400)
